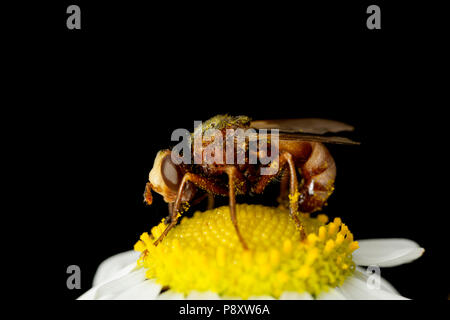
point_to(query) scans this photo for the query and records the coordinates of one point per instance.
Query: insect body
(297, 150)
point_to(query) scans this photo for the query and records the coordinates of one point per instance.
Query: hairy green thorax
(223, 121)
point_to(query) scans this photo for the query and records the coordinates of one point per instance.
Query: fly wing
(316, 138)
(305, 125)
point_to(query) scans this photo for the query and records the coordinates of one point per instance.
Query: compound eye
(170, 173)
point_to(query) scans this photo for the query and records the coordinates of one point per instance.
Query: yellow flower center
(203, 253)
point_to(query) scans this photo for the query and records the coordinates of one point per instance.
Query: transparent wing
(305, 125)
(317, 138)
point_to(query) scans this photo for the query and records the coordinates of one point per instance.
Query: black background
(107, 97)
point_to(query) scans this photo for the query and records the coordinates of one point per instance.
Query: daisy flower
(202, 258)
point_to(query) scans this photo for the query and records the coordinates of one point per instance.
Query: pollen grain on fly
(204, 253)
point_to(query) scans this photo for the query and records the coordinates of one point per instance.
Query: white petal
(146, 290)
(386, 252)
(113, 288)
(287, 295)
(91, 293)
(357, 289)
(88, 295)
(332, 294)
(170, 295)
(109, 268)
(385, 285)
(206, 295)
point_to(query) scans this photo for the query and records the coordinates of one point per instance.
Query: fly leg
(294, 193)
(170, 209)
(200, 182)
(234, 176)
(285, 159)
(284, 191)
(194, 202)
(207, 195)
(210, 201)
